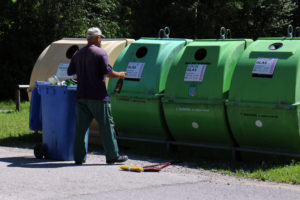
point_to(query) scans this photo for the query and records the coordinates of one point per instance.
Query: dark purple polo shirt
(90, 64)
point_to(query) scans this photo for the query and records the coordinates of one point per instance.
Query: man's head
(93, 36)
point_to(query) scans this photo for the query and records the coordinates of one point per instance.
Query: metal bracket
(223, 33)
(165, 32)
(290, 31)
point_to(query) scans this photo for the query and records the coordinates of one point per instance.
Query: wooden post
(18, 99)
(18, 95)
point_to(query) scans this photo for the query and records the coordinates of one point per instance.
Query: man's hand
(114, 74)
(122, 75)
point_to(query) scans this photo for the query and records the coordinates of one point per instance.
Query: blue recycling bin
(58, 105)
(35, 117)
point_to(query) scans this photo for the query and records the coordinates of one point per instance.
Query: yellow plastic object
(131, 168)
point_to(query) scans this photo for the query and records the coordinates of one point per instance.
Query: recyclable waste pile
(55, 81)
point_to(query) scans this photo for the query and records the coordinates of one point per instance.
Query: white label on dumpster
(62, 71)
(194, 72)
(134, 70)
(265, 66)
(195, 125)
(258, 123)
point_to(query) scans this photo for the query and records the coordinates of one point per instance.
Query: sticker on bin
(194, 72)
(265, 66)
(192, 91)
(134, 70)
(195, 125)
(62, 71)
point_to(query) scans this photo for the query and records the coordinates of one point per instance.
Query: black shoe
(118, 160)
(79, 162)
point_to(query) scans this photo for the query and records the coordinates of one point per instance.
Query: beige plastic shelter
(54, 61)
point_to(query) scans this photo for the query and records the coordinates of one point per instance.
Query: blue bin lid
(50, 85)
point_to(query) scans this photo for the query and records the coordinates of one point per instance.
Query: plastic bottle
(119, 85)
(54, 80)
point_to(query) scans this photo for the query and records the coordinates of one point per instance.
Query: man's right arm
(71, 68)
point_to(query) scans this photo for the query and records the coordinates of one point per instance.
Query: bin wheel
(39, 151)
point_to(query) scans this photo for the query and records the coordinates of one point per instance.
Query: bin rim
(167, 39)
(104, 39)
(278, 38)
(224, 40)
(48, 84)
(42, 83)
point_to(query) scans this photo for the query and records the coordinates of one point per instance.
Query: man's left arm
(115, 74)
(109, 72)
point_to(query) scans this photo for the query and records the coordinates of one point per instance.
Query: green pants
(86, 110)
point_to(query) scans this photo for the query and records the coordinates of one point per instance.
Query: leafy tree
(265, 17)
(203, 19)
(28, 26)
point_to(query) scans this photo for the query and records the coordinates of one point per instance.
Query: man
(91, 66)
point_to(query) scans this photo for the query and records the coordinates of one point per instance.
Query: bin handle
(165, 32)
(223, 33)
(228, 33)
(159, 95)
(161, 31)
(290, 31)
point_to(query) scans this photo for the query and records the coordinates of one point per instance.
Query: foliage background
(29, 26)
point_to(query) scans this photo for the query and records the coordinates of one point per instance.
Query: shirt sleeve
(107, 69)
(71, 68)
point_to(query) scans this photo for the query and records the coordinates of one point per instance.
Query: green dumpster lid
(268, 73)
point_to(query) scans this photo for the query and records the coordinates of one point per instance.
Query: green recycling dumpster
(196, 89)
(263, 104)
(137, 108)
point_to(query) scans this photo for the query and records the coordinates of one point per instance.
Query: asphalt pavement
(25, 177)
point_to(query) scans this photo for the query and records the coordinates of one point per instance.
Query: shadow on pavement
(30, 162)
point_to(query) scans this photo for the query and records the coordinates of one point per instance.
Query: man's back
(91, 64)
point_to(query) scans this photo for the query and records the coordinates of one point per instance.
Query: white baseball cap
(92, 32)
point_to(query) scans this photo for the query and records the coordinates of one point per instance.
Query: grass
(14, 131)
(14, 126)
(287, 171)
(7, 105)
